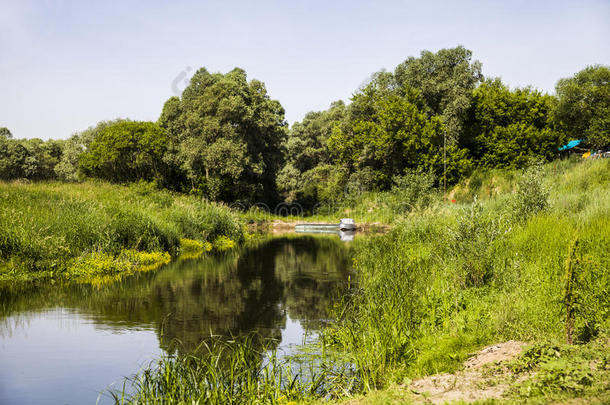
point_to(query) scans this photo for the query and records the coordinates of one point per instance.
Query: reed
(247, 370)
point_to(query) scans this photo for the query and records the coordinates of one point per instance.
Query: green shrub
(412, 191)
(531, 196)
(472, 245)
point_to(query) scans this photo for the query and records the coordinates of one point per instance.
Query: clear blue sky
(65, 65)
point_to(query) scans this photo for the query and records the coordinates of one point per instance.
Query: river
(71, 344)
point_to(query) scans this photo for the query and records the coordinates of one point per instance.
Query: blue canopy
(571, 144)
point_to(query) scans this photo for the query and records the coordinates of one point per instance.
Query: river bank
(528, 264)
(520, 256)
(94, 230)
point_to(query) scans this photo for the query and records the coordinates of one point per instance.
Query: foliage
(510, 128)
(101, 268)
(473, 246)
(5, 133)
(225, 135)
(531, 196)
(306, 151)
(447, 281)
(34, 159)
(235, 372)
(445, 80)
(412, 191)
(126, 151)
(223, 243)
(67, 168)
(31, 159)
(583, 105)
(387, 132)
(556, 372)
(226, 139)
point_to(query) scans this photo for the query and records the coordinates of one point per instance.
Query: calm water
(66, 345)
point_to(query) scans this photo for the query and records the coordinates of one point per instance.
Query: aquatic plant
(237, 371)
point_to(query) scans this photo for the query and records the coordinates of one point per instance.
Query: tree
(5, 133)
(445, 80)
(13, 158)
(583, 107)
(305, 150)
(67, 167)
(225, 136)
(509, 128)
(388, 131)
(32, 159)
(126, 151)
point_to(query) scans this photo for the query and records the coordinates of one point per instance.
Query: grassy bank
(527, 260)
(79, 231)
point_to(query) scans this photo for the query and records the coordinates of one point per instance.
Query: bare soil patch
(470, 384)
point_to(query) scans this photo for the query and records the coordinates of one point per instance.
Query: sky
(66, 65)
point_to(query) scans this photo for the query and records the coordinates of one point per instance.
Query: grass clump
(223, 243)
(192, 249)
(243, 371)
(102, 268)
(551, 373)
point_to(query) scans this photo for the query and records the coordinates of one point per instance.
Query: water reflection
(347, 236)
(278, 288)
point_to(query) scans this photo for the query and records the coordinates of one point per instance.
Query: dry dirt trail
(469, 384)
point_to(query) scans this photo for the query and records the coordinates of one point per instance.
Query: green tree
(13, 158)
(306, 149)
(126, 151)
(67, 167)
(5, 133)
(32, 159)
(445, 80)
(225, 136)
(583, 107)
(509, 128)
(388, 131)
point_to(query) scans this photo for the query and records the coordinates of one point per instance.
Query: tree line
(226, 139)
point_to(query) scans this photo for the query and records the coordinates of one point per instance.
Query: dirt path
(469, 384)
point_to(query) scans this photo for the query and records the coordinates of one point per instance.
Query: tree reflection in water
(250, 290)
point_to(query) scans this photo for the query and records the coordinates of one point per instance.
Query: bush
(531, 196)
(412, 191)
(472, 244)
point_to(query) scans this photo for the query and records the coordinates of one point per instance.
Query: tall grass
(444, 283)
(244, 371)
(45, 227)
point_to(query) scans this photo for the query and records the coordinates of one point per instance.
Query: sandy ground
(469, 384)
